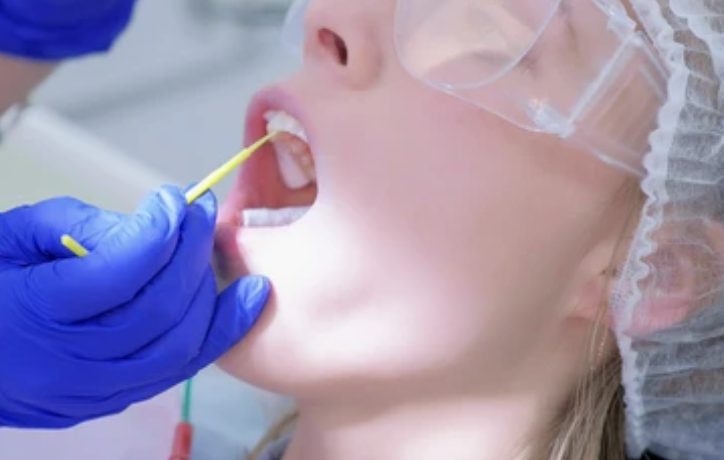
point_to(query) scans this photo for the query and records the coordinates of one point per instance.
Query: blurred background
(173, 93)
(166, 105)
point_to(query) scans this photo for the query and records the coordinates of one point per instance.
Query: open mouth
(295, 175)
(277, 186)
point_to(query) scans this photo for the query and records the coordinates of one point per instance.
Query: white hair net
(668, 303)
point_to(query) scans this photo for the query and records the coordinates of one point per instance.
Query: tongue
(272, 217)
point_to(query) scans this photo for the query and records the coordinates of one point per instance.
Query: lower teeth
(272, 217)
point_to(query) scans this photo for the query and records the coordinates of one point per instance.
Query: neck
(459, 426)
(467, 412)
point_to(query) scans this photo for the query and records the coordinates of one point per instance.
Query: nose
(344, 38)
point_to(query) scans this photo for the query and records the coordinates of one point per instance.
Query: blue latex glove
(83, 338)
(57, 29)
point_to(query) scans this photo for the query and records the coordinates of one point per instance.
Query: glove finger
(77, 409)
(182, 343)
(122, 263)
(31, 234)
(163, 357)
(237, 310)
(25, 416)
(210, 328)
(163, 303)
(70, 411)
(181, 354)
(116, 375)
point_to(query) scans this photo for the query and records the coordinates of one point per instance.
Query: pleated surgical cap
(668, 302)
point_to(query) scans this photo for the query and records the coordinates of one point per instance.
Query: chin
(267, 226)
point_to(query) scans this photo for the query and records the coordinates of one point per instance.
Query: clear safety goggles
(577, 69)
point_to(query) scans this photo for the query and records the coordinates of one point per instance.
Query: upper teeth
(283, 122)
(295, 161)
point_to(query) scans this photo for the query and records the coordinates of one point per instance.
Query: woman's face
(443, 242)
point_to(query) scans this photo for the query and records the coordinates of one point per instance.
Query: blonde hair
(590, 425)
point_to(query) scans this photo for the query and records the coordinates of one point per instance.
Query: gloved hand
(83, 338)
(57, 29)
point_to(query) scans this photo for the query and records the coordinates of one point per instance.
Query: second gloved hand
(82, 338)
(57, 29)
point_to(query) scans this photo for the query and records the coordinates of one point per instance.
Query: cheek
(393, 343)
(400, 336)
(354, 306)
(413, 259)
(347, 308)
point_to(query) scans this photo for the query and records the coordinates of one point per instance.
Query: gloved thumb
(31, 234)
(125, 260)
(237, 310)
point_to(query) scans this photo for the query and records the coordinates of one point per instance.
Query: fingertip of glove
(254, 292)
(164, 208)
(172, 199)
(207, 204)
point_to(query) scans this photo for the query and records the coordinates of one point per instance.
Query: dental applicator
(183, 434)
(195, 192)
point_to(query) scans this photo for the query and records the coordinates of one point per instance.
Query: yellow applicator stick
(215, 177)
(196, 191)
(74, 246)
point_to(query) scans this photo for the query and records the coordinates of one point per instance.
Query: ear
(596, 276)
(591, 302)
(687, 269)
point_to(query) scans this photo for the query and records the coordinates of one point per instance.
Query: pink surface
(144, 431)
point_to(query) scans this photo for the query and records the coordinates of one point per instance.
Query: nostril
(335, 45)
